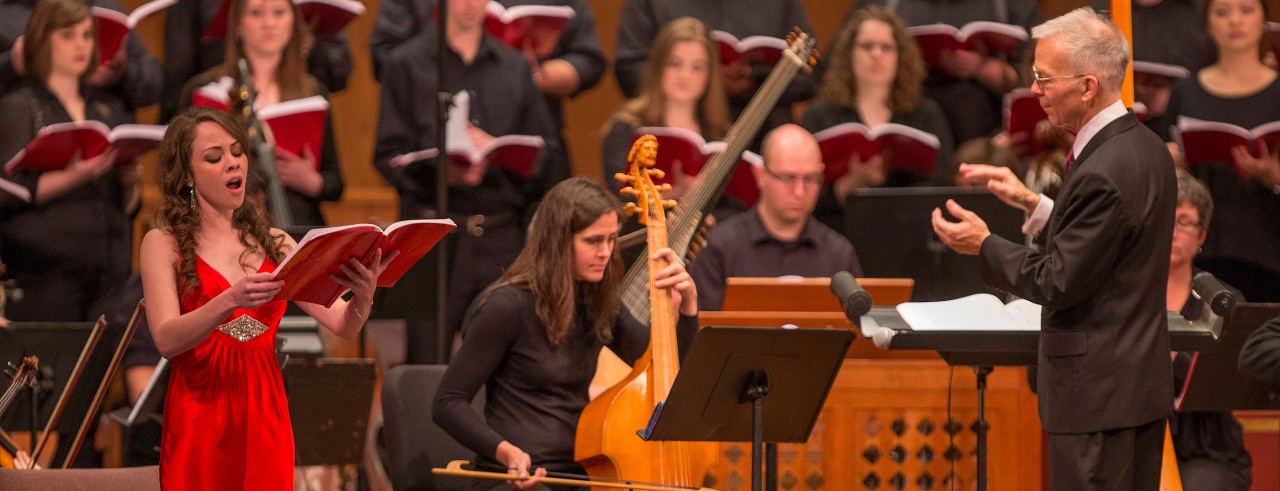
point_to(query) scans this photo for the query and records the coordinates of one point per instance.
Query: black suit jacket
(1104, 344)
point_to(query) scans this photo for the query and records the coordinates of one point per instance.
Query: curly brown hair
(568, 208)
(649, 108)
(840, 84)
(176, 214)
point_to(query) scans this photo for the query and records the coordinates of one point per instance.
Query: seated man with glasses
(778, 236)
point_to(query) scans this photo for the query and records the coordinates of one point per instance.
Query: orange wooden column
(1122, 15)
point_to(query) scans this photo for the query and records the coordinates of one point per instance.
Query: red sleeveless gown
(226, 419)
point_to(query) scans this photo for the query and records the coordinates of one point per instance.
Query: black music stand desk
(727, 376)
(1215, 382)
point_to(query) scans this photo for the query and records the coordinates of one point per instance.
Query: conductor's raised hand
(254, 290)
(964, 236)
(675, 277)
(1003, 183)
(363, 280)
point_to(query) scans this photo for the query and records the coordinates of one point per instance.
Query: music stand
(148, 406)
(58, 345)
(890, 228)
(1214, 382)
(329, 402)
(727, 375)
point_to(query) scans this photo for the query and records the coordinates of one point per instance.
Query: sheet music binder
(148, 405)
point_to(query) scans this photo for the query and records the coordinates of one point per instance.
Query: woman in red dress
(206, 275)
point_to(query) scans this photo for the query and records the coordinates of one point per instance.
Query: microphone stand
(266, 150)
(444, 101)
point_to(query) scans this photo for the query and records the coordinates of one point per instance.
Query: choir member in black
(132, 75)
(188, 53)
(972, 86)
(1260, 357)
(875, 77)
(532, 339)
(1209, 445)
(778, 236)
(575, 64)
(677, 92)
(1244, 249)
(69, 248)
(490, 203)
(269, 36)
(642, 19)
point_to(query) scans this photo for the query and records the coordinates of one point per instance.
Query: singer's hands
(298, 172)
(1265, 167)
(862, 174)
(362, 280)
(109, 74)
(964, 236)
(253, 291)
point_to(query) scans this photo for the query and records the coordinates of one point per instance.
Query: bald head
(790, 179)
(790, 142)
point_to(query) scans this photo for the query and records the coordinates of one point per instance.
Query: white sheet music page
(980, 312)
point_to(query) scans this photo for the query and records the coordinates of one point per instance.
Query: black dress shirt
(741, 247)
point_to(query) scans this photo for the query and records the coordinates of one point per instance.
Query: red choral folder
(55, 145)
(114, 26)
(306, 269)
(1210, 142)
(693, 152)
(517, 154)
(901, 146)
(294, 125)
(327, 18)
(536, 26)
(982, 36)
(753, 49)
(1022, 112)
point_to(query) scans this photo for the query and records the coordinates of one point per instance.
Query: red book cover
(1210, 142)
(901, 147)
(536, 26)
(982, 36)
(517, 154)
(55, 145)
(218, 26)
(216, 95)
(306, 269)
(114, 26)
(693, 152)
(297, 124)
(1022, 112)
(329, 17)
(753, 49)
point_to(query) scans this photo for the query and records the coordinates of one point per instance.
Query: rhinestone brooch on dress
(243, 328)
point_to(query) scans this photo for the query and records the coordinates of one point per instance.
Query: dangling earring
(191, 194)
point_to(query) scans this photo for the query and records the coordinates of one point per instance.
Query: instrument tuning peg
(631, 208)
(656, 173)
(669, 203)
(664, 187)
(629, 191)
(623, 177)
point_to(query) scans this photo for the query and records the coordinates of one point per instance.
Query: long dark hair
(840, 84)
(176, 214)
(649, 107)
(291, 75)
(545, 264)
(49, 16)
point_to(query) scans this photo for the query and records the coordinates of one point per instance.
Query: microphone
(1220, 299)
(856, 301)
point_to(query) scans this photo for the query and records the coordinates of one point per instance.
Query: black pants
(1120, 459)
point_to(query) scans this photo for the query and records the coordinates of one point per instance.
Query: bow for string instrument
(21, 378)
(456, 468)
(266, 150)
(606, 443)
(702, 195)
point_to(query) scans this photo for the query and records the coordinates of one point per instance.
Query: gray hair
(1093, 43)
(1194, 192)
